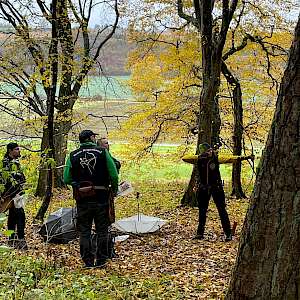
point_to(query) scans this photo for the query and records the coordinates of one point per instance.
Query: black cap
(12, 146)
(85, 135)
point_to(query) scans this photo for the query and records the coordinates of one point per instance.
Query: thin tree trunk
(238, 130)
(42, 179)
(237, 138)
(50, 112)
(62, 128)
(268, 262)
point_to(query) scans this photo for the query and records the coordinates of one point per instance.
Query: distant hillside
(113, 57)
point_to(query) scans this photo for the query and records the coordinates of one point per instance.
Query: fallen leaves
(168, 263)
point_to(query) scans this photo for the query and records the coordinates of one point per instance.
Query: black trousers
(16, 222)
(203, 195)
(87, 213)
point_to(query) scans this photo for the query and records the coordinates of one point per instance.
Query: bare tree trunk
(42, 180)
(50, 112)
(189, 198)
(216, 119)
(62, 128)
(268, 262)
(210, 85)
(212, 45)
(238, 130)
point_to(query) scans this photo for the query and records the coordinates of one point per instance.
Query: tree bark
(42, 179)
(268, 262)
(62, 127)
(66, 98)
(189, 198)
(238, 130)
(237, 138)
(53, 54)
(216, 120)
(209, 119)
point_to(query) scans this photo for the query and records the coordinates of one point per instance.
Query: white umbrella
(139, 224)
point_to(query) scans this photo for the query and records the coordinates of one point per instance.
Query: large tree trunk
(189, 198)
(268, 262)
(61, 131)
(62, 127)
(210, 85)
(212, 45)
(50, 112)
(216, 118)
(66, 98)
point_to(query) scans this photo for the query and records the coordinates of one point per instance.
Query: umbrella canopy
(139, 224)
(60, 227)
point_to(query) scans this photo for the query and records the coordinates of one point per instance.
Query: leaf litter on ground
(163, 265)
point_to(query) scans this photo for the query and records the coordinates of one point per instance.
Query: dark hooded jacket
(13, 183)
(208, 171)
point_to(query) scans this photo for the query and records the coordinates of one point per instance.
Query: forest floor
(167, 264)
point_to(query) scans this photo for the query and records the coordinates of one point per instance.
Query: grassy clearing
(164, 265)
(103, 116)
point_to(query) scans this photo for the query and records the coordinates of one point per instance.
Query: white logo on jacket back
(88, 161)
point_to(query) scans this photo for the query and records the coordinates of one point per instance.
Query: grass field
(104, 102)
(112, 87)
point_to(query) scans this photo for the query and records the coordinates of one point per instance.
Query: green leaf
(2, 218)
(8, 232)
(4, 248)
(51, 162)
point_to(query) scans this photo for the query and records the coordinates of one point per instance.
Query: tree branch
(186, 17)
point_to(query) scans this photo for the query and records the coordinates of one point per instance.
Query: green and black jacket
(91, 163)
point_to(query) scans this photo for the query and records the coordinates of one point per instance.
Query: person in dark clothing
(13, 189)
(209, 183)
(93, 175)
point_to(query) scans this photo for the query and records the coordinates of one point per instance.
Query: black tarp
(60, 227)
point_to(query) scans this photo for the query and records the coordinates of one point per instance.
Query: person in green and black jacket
(93, 175)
